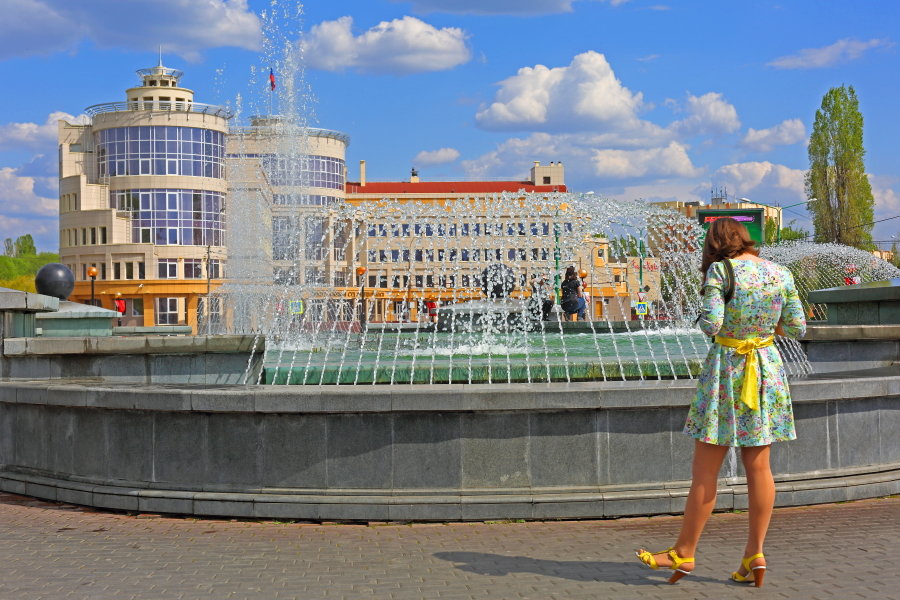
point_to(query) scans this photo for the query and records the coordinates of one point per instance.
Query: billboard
(751, 218)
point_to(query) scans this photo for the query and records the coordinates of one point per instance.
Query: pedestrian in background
(742, 397)
(572, 301)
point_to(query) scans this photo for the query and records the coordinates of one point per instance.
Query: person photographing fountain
(742, 397)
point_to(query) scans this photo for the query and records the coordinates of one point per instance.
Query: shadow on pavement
(627, 573)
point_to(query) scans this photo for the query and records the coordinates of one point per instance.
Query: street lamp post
(92, 273)
(557, 279)
(360, 273)
(208, 289)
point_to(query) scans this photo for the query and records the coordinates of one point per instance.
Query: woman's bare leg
(761, 498)
(700, 503)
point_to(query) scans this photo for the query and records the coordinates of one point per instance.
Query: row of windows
(464, 229)
(305, 200)
(167, 268)
(308, 171)
(192, 268)
(120, 270)
(431, 281)
(460, 254)
(85, 236)
(68, 202)
(167, 217)
(160, 150)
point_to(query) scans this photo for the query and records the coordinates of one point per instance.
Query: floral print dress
(764, 294)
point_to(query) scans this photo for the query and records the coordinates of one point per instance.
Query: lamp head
(360, 271)
(92, 272)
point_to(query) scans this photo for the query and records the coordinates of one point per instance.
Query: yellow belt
(748, 347)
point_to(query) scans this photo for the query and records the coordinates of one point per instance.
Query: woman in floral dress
(727, 412)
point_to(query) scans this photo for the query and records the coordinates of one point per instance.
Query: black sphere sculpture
(54, 279)
(498, 281)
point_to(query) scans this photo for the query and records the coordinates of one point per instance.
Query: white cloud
(583, 96)
(442, 156)
(789, 131)
(498, 7)
(841, 51)
(493, 7)
(668, 161)
(183, 27)
(584, 158)
(18, 196)
(709, 114)
(764, 182)
(16, 136)
(398, 47)
(886, 191)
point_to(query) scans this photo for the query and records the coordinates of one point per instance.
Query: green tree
(837, 175)
(895, 252)
(24, 246)
(10, 247)
(789, 232)
(770, 231)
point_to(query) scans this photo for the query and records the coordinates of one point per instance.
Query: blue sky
(649, 99)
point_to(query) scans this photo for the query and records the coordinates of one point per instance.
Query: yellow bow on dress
(748, 347)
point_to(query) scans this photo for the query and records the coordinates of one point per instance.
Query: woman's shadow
(626, 573)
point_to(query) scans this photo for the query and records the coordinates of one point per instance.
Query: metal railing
(192, 107)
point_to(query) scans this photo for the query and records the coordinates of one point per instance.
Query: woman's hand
(779, 330)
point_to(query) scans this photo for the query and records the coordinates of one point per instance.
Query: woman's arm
(793, 321)
(712, 307)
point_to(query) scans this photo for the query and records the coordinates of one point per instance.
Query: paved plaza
(51, 550)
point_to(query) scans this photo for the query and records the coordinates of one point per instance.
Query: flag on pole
(271, 80)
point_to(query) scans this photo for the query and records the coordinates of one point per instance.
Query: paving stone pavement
(51, 550)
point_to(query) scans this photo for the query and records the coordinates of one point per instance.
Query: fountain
(497, 417)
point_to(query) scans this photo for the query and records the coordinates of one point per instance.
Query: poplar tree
(837, 176)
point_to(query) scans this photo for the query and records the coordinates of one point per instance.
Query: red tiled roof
(449, 187)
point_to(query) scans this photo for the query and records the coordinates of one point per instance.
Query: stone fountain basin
(421, 452)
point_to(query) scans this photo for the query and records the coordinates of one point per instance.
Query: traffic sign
(641, 308)
(297, 307)
(641, 296)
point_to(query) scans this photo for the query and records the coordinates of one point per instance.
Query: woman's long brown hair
(726, 238)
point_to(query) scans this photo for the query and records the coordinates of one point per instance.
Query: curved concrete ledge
(473, 452)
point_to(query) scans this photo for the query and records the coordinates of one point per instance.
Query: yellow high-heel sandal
(646, 557)
(754, 574)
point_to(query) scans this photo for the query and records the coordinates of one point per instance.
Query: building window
(167, 311)
(314, 275)
(134, 307)
(93, 236)
(129, 270)
(168, 268)
(161, 150)
(216, 269)
(193, 268)
(141, 272)
(103, 238)
(117, 270)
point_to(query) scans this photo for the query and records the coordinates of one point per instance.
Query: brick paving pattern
(54, 551)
